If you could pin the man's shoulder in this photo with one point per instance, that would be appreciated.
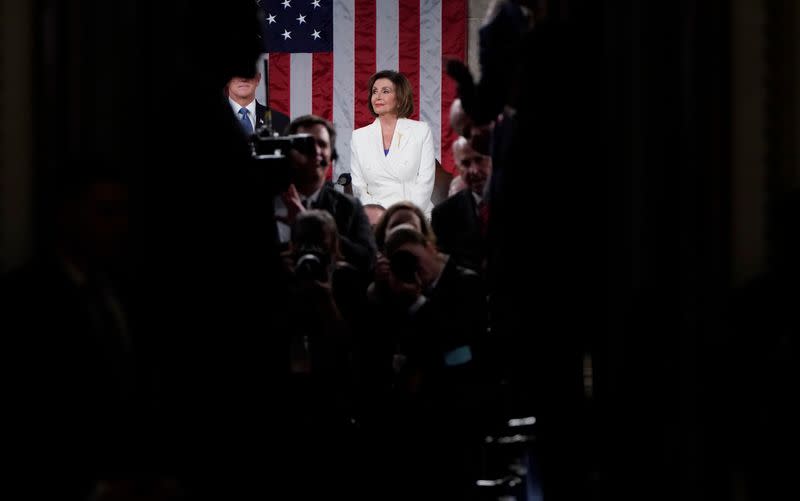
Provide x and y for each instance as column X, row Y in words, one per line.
column 328, row 192
column 459, row 277
column 280, row 120
column 454, row 203
column 467, row 274
column 416, row 125
column 363, row 131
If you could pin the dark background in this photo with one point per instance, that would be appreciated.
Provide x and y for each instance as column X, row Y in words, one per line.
column 696, row 104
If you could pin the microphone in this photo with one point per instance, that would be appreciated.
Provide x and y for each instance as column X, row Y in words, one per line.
column 344, row 179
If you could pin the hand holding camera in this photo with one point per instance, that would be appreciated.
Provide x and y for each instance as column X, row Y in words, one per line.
column 404, row 279
column 313, row 277
column 312, row 265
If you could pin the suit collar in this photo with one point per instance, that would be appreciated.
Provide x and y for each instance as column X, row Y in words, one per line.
column 468, row 199
column 377, row 136
column 252, row 107
column 377, row 145
column 402, row 134
column 470, row 207
column 326, row 197
column 466, row 194
column 400, row 138
column 260, row 110
column 441, row 283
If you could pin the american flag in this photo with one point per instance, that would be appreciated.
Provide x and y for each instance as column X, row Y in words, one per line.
column 321, row 54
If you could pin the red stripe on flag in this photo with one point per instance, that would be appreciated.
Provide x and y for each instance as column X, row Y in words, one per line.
column 409, row 47
column 454, row 45
column 322, row 85
column 364, row 45
column 322, row 91
column 279, row 75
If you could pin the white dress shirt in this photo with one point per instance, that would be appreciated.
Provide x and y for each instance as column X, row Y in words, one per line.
column 284, row 230
column 251, row 108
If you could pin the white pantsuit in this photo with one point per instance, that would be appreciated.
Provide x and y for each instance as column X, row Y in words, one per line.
column 406, row 173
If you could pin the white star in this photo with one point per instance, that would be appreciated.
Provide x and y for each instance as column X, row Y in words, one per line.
column 271, row 18
column 258, row 2
column 286, row 4
column 315, row 34
column 302, row 18
column 315, row 3
column 286, row 34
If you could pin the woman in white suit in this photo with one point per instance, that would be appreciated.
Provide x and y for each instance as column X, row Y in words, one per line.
column 392, row 159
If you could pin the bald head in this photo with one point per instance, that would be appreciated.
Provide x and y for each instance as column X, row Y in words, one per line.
column 473, row 167
column 459, row 120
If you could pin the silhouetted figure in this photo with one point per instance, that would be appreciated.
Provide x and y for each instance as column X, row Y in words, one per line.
column 544, row 298
column 757, row 423
column 327, row 299
column 77, row 361
column 436, row 316
column 211, row 287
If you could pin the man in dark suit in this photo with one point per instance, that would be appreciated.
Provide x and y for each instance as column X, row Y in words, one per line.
column 440, row 323
column 460, row 222
column 309, row 190
column 250, row 113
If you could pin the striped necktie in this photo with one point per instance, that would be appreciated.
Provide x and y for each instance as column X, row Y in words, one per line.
column 247, row 126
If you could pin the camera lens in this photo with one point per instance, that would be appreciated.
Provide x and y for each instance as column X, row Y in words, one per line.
column 310, row 266
column 404, row 266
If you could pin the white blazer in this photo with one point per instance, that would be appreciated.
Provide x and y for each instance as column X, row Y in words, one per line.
column 406, row 173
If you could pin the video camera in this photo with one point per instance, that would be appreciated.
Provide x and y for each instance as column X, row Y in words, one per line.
column 271, row 152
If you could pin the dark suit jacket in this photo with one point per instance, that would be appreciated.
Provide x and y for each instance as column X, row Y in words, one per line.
column 455, row 313
column 458, row 231
column 356, row 239
column 68, row 358
column 280, row 121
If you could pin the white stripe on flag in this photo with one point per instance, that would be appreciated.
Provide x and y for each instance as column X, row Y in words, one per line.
column 343, row 75
column 300, row 89
column 387, row 35
column 430, row 66
column 261, row 89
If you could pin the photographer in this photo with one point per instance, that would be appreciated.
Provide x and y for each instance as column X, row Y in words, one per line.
column 308, row 190
column 440, row 315
column 446, row 305
column 323, row 293
column 316, row 316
